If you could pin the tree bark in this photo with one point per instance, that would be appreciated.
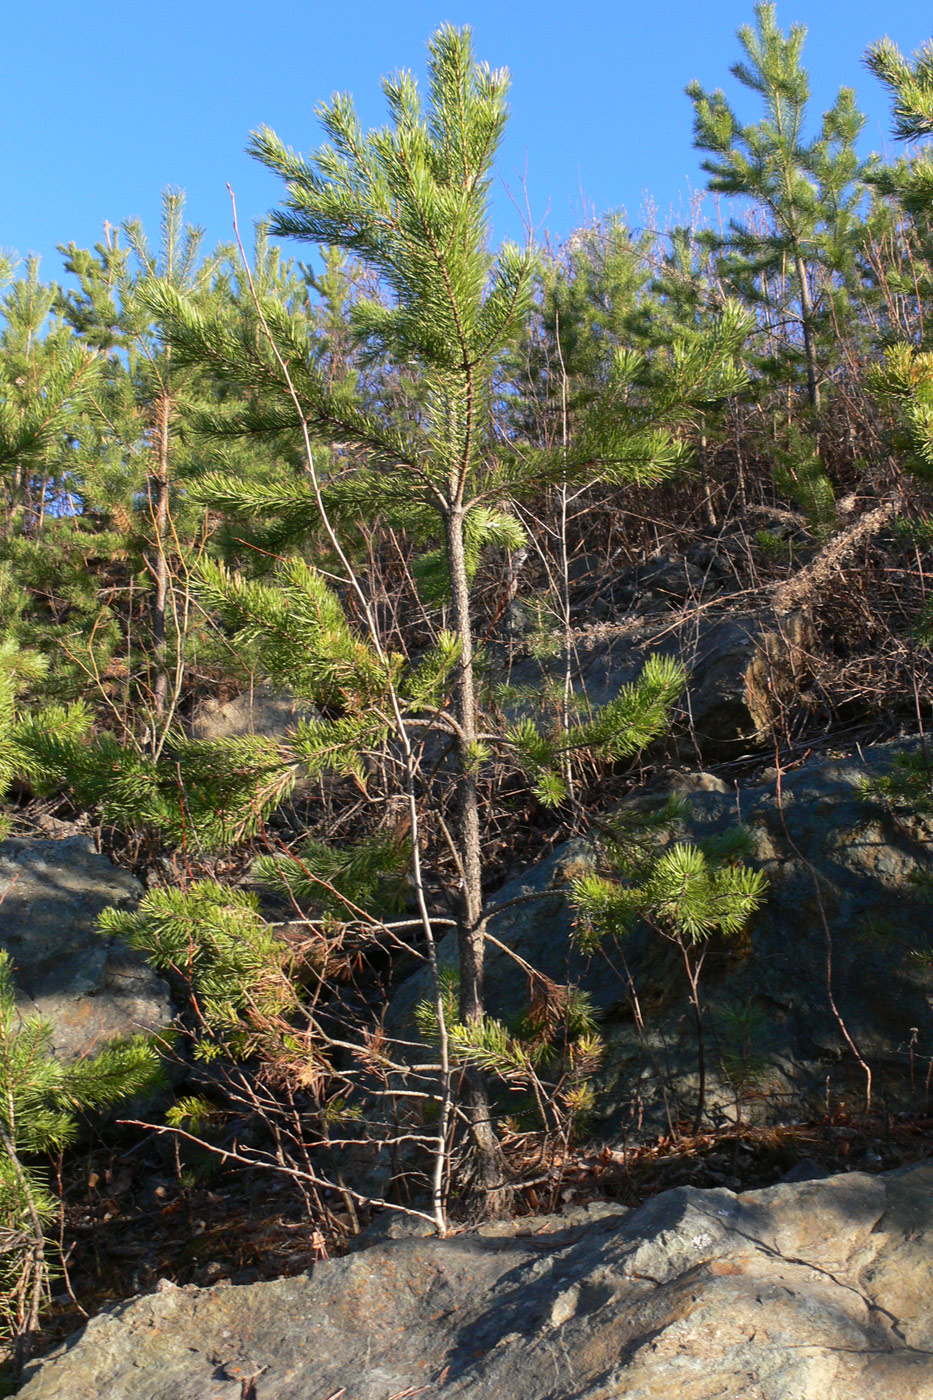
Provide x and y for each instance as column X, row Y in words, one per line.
column 472, row 941
column 159, row 500
column 490, row 1168
column 809, row 350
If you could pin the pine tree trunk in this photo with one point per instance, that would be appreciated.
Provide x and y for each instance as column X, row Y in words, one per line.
column 490, row 1169
column 160, row 565
column 471, row 985
column 809, row 350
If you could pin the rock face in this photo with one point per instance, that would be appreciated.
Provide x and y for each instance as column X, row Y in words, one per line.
column 716, row 654
column 738, row 670
column 847, row 881
column 817, row 1291
column 89, row 987
column 258, row 711
column 827, row 853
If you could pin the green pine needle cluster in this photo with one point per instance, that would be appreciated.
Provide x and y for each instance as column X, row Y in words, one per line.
column 801, row 476
column 907, row 790
column 215, row 941
column 906, row 378
column 198, row 795
column 364, row 877
column 686, row 893
column 295, row 627
column 618, row 730
column 552, row 1054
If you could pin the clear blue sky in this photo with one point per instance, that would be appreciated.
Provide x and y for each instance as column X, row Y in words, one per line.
column 104, row 104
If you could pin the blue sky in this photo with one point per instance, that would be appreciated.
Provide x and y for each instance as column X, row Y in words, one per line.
column 104, row 104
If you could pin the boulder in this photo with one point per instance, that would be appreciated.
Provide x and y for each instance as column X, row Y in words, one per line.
column 819, row 1289
column 661, row 581
column 848, row 881
column 731, row 662
column 267, row 713
column 90, row 988
column 829, row 854
column 740, row 666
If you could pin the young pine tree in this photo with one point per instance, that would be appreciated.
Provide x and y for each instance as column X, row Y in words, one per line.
column 48, row 379
column 807, row 192
column 134, row 460
column 906, row 184
column 40, row 1100
column 685, row 894
column 409, row 203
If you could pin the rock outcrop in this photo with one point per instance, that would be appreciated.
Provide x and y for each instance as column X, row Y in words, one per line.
column 815, row 1291
column 845, row 876
column 743, row 670
column 90, row 988
column 258, row 711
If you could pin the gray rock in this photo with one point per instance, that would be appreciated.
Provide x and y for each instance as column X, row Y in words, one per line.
column 826, row 852
column 718, row 658
column 671, row 578
column 720, row 655
column 805, row 1170
column 258, row 711
column 663, row 581
column 744, row 670
column 797, row 1292
column 90, row 988
column 829, row 856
